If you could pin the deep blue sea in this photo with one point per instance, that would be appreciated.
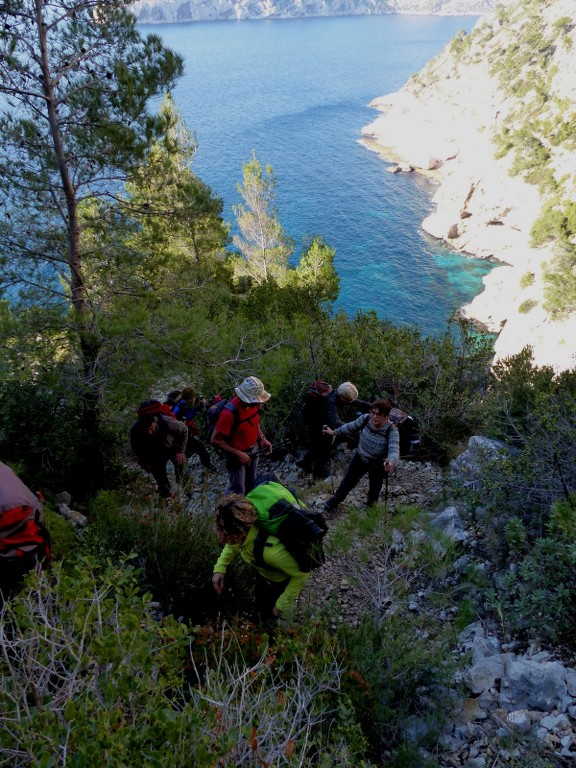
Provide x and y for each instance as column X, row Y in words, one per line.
column 297, row 92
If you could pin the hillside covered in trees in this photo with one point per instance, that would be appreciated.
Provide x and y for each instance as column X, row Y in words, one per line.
column 120, row 281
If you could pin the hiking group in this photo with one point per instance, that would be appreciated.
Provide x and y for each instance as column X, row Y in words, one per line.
column 258, row 517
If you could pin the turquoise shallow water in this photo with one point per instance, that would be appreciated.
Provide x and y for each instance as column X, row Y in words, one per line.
column 297, row 92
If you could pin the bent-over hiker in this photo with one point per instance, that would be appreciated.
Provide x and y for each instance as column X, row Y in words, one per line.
column 377, row 452
column 239, row 434
column 318, row 413
column 279, row 579
column 157, row 438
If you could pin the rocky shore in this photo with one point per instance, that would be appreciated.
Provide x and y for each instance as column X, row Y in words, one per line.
column 442, row 124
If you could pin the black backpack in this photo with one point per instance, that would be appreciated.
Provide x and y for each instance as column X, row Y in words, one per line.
column 409, row 438
column 300, row 529
column 213, row 413
column 314, row 404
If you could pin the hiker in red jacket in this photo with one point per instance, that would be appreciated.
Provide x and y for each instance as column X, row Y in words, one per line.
column 239, row 434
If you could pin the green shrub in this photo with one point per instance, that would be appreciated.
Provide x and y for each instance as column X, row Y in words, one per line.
column 516, row 536
column 175, row 549
column 538, row 599
column 527, row 306
column 88, row 678
column 65, row 539
column 527, row 280
column 89, row 675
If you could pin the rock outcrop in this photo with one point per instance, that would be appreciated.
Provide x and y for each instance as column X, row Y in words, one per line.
column 174, row 11
column 452, row 122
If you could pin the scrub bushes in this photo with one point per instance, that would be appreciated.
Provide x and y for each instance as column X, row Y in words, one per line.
column 87, row 677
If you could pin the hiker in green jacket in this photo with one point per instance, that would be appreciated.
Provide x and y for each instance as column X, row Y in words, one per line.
column 279, row 581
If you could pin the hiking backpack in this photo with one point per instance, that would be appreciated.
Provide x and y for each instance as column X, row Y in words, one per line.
column 24, row 539
column 408, row 433
column 213, row 414
column 301, row 530
column 214, row 411
column 314, row 399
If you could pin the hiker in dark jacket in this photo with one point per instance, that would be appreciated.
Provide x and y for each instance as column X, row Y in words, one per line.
column 377, row 452
column 187, row 409
column 324, row 411
column 156, row 438
column 279, row 580
column 239, row 434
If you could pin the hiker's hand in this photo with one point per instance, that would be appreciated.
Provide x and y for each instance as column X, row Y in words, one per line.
column 218, row 582
column 388, row 466
column 265, row 444
column 276, row 612
column 179, row 458
column 243, row 458
column 327, row 431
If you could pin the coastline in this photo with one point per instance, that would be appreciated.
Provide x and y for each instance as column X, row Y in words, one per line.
column 480, row 211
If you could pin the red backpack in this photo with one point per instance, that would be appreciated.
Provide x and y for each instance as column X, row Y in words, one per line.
column 24, row 539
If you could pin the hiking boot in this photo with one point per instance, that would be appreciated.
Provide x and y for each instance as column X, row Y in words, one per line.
column 331, row 505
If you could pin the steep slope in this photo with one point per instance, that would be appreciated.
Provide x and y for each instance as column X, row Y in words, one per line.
column 493, row 118
column 174, row 11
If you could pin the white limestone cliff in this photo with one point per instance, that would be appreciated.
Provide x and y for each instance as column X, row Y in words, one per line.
column 175, row 11
column 442, row 123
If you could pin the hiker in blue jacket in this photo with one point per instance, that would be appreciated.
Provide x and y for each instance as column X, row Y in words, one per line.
column 187, row 409
column 378, row 451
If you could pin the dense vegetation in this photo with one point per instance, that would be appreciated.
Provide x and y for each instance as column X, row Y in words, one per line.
column 120, row 282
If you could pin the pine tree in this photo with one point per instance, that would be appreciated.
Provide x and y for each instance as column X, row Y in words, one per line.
column 75, row 80
column 264, row 246
column 181, row 220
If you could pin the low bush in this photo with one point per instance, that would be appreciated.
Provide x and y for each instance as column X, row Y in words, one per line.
column 87, row 677
column 527, row 306
column 176, row 551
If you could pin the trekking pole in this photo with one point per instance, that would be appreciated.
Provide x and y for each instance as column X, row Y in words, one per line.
column 275, row 446
column 386, row 474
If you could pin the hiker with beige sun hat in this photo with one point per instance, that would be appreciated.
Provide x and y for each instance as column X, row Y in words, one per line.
column 239, row 434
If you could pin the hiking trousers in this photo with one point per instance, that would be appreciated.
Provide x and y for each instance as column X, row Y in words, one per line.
column 160, row 474
column 355, row 472
column 266, row 594
column 194, row 446
column 242, row 477
column 317, row 458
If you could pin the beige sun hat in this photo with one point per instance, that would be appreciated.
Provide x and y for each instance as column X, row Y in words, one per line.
column 252, row 391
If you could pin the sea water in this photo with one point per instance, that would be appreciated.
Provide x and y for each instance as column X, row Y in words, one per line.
column 296, row 91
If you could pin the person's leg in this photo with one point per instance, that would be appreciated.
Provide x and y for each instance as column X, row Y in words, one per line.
column 322, row 449
column 236, row 476
column 158, row 472
column 267, row 593
column 375, row 480
column 251, row 473
column 354, row 473
column 195, row 446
